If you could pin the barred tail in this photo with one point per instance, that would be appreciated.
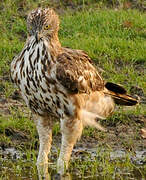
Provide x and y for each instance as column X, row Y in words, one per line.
column 119, row 95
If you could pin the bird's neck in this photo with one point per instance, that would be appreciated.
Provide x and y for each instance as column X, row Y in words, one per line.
column 54, row 45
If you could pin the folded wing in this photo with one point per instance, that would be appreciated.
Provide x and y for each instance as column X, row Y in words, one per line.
column 76, row 72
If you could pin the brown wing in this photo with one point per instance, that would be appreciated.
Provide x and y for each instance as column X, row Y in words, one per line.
column 76, row 72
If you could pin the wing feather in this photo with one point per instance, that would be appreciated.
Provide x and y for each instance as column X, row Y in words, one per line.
column 76, row 72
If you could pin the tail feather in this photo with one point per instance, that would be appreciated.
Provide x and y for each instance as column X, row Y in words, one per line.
column 120, row 95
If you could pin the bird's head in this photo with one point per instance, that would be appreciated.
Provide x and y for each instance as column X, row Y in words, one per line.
column 43, row 23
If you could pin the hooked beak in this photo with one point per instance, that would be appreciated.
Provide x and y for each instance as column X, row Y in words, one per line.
column 37, row 36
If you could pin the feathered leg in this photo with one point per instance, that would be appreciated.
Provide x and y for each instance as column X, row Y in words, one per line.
column 44, row 128
column 71, row 132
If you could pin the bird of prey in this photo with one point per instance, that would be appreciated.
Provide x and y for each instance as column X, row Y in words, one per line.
column 61, row 83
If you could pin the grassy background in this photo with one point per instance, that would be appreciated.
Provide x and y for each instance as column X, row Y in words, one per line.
column 115, row 38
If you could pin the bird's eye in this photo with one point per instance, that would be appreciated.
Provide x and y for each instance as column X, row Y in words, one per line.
column 46, row 27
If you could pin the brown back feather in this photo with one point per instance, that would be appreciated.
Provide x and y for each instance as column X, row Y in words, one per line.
column 76, row 72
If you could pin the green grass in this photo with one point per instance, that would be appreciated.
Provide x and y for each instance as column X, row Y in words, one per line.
column 114, row 38
column 106, row 39
column 102, row 166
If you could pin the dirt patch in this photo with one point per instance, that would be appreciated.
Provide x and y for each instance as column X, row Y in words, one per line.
column 7, row 103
